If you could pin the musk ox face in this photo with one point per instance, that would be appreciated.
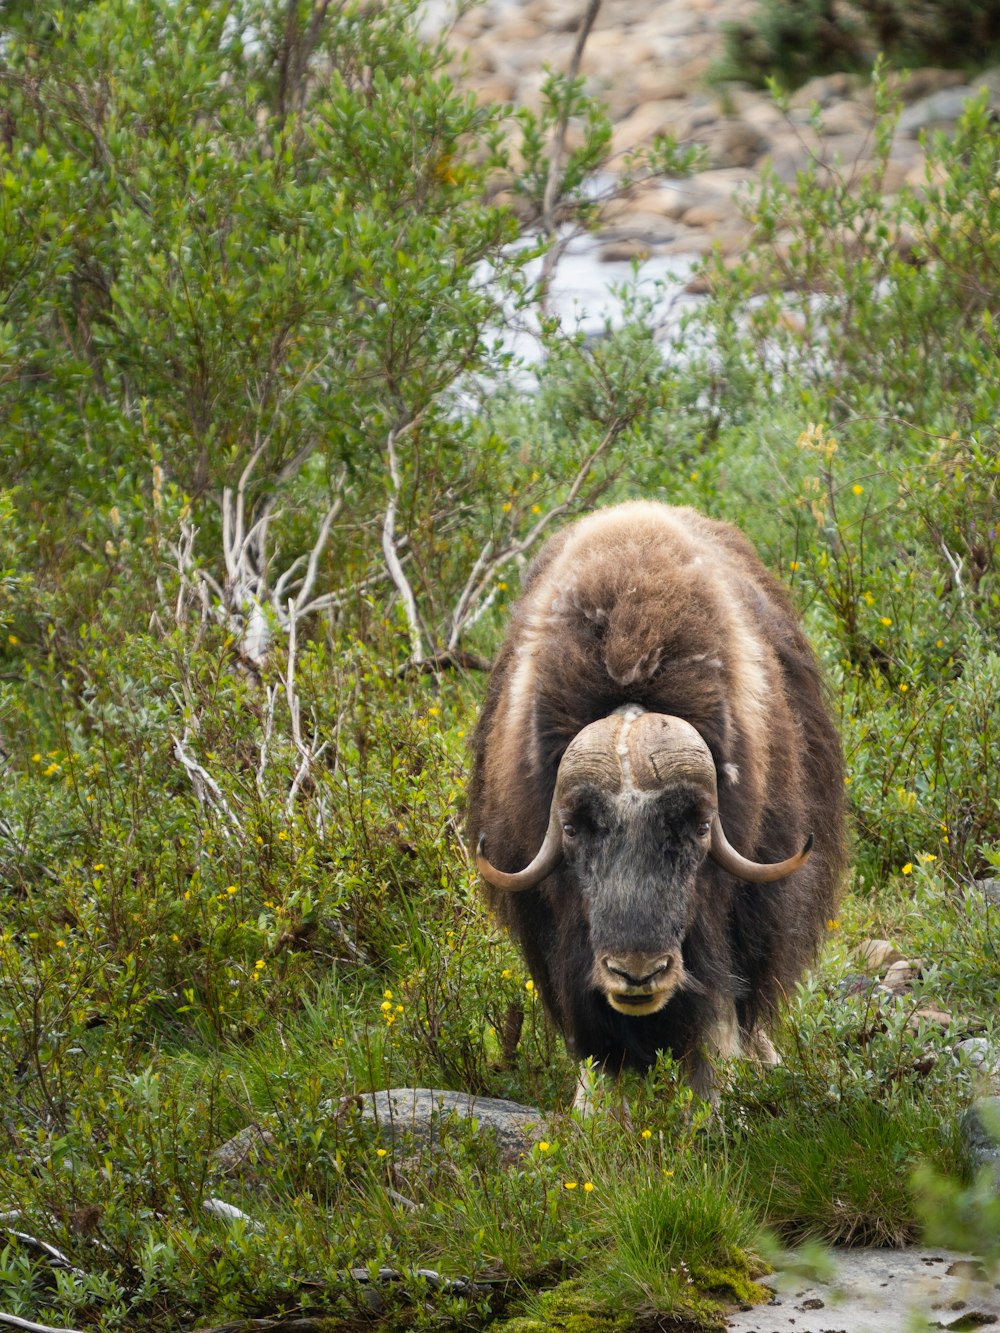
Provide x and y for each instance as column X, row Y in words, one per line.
column 634, row 857
column 632, row 818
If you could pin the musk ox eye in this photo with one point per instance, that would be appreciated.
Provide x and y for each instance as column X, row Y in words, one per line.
column 704, row 828
column 569, row 830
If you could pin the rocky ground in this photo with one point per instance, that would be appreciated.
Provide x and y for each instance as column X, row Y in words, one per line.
column 651, row 65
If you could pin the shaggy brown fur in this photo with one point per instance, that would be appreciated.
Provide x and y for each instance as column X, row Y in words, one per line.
column 661, row 607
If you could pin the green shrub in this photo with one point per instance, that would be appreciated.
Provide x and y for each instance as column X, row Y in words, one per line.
column 794, row 40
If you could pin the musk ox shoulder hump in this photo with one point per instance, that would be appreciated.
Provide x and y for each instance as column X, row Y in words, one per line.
column 637, row 589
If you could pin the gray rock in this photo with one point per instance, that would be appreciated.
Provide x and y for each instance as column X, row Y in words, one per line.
column 245, row 1153
column 847, row 118
column 983, row 1056
column 638, row 225
column 923, row 82
column 823, row 90
column 624, row 250
column 990, row 889
column 981, row 1134
column 732, row 143
column 418, row 1114
column 938, row 111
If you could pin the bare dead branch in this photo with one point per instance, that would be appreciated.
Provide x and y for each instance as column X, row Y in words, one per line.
column 480, row 585
column 206, row 789
column 389, row 545
column 306, row 755
column 955, row 564
column 12, row 1321
column 309, row 582
column 271, row 694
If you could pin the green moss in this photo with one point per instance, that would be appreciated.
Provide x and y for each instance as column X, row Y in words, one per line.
column 734, row 1281
column 566, row 1309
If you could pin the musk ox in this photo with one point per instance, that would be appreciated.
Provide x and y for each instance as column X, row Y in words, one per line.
column 657, row 792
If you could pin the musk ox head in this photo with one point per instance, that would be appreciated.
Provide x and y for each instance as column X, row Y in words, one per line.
column 633, row 816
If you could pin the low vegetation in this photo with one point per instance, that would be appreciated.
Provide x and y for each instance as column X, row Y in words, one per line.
column 269, row 482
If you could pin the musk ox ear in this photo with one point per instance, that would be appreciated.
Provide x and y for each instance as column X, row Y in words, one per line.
column 756, row 872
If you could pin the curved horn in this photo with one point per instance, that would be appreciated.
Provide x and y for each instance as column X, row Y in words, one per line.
column 590, row 754
column 548, row 857
column 756, row 872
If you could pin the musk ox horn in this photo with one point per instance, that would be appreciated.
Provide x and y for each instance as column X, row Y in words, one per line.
column 588, row 756
column 756, row 872
column 644, row 750
column 549, row 856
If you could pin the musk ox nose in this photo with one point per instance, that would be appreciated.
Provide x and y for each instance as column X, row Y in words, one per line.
column 639, row 983
column 639, row 971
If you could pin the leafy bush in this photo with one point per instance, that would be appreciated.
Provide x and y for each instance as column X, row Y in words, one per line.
column 797, row 39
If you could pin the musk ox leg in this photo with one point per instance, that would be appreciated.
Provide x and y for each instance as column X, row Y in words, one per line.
column 588, row 1088
column 758, row 1046
column 593, row 1090
column 725, row 1041
column 721, row 1043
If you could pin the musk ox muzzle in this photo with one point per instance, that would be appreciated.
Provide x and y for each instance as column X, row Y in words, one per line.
column 640, row 983
column 634, row 756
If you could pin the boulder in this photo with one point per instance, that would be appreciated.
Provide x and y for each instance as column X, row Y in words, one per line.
column 900, row 975
column 823, row 90
column 983, row 1056
column 648, row 120
column 940, row 111
column 981, row 1135
column 732, row 143
column 419, row 1115
column 877, row 955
